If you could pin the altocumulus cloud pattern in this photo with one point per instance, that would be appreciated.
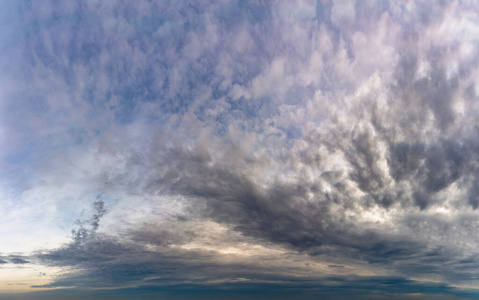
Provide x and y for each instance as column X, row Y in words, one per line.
column 239, row 149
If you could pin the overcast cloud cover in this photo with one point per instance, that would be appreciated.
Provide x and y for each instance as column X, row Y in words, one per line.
column 239, row 149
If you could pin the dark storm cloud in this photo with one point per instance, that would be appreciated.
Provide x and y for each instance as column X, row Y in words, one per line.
column 280, row 214
column 103, row 261
column 284, row 214
column 99, row 263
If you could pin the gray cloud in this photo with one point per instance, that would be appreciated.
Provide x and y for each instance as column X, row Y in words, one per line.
column 18, row 261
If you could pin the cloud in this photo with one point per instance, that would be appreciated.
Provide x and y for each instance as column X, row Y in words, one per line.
column 230, row 144
column 18, row 261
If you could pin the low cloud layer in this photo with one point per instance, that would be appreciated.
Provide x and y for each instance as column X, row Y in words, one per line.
column 304, row 147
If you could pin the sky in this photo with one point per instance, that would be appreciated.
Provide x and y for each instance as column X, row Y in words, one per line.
column 239, row 149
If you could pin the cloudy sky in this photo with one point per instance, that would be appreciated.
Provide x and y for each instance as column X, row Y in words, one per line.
column 239, row 149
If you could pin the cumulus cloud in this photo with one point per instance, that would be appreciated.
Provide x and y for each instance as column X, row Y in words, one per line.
column 314, row 145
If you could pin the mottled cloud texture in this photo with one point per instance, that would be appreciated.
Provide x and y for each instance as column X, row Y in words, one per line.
column 240, row 149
